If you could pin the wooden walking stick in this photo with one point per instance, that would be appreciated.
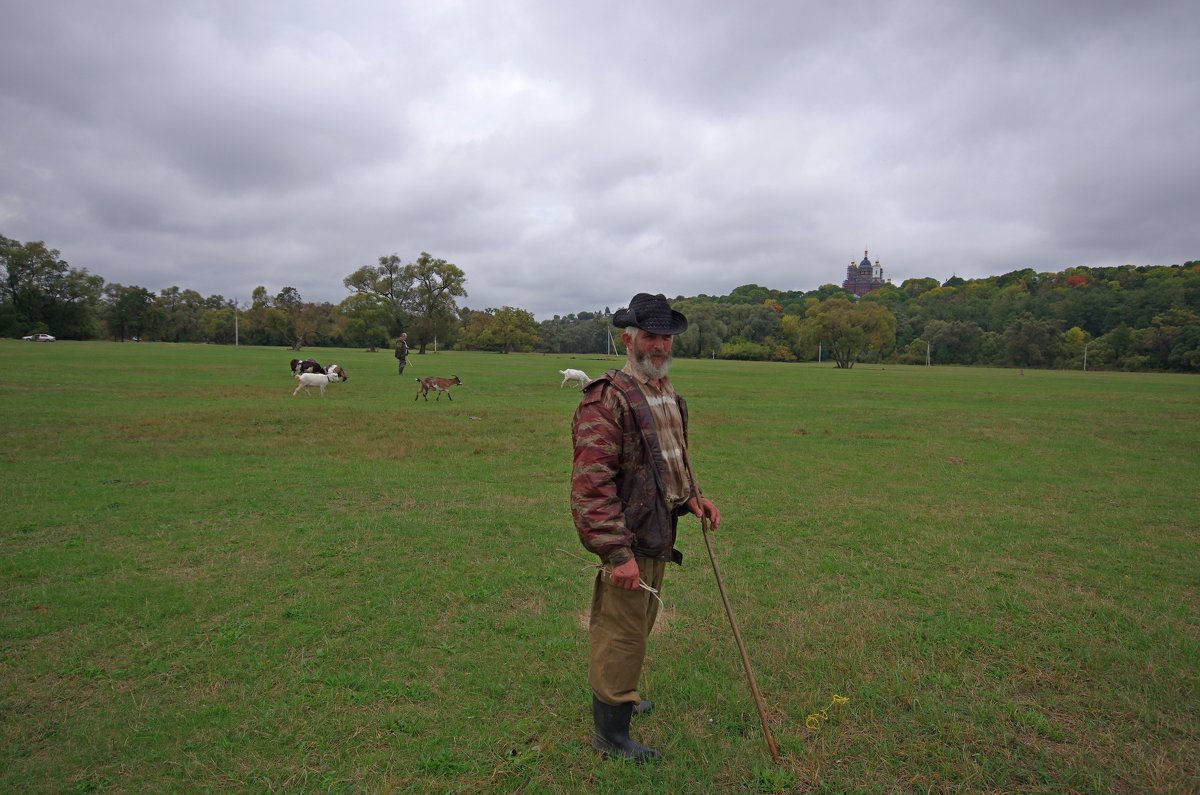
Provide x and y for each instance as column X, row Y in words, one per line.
column 737, row 636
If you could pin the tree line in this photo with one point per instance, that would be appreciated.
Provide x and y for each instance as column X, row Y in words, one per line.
column 1128, row 317
column 41, row 292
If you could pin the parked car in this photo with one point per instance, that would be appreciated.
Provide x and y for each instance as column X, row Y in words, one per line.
column 39, row 338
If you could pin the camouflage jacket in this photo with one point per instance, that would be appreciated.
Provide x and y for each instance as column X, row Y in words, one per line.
column 616, row 499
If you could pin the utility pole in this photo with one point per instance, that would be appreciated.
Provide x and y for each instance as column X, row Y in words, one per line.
column 926, row 353
column 235, row 324
column 1085, row 347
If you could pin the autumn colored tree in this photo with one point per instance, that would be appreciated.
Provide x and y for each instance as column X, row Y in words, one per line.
column 1073, row 343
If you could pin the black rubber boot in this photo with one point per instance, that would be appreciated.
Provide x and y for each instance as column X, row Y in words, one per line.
column 612, row 733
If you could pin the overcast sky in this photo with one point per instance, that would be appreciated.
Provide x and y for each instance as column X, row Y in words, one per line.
column 568, row 154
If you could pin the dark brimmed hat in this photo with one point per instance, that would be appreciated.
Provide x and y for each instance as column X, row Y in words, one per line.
column 651, row 313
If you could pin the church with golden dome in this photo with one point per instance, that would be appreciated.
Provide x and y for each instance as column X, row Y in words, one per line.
column 863, row 277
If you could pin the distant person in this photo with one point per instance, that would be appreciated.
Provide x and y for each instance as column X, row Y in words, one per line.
column 402, row 351
column 630, row 482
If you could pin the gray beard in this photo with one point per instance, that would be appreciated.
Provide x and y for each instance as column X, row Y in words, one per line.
column 654, row 372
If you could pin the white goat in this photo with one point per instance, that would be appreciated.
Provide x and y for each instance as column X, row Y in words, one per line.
column 571, row 374
column 319, row 380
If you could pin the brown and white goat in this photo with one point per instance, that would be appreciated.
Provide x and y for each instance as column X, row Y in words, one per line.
column 433, row 384
column 307, row 366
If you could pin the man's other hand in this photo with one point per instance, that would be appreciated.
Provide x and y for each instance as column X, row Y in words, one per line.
column 626, row 575
column 704, row 507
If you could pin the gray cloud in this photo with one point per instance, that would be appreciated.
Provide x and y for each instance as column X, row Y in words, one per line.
column 566, row 155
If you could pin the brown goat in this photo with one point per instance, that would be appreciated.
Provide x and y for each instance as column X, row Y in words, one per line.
column 439, row 385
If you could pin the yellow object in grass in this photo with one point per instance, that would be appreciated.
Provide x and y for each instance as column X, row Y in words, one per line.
column 814, row 721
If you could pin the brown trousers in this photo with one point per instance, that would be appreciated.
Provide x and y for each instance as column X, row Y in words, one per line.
column 620, row 624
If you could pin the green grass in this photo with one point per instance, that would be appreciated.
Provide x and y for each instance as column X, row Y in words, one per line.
column 209, row 585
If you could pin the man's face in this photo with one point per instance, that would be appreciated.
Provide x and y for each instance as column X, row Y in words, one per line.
column 651, row 352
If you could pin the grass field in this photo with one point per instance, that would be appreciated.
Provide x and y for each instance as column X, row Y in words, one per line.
column 209, row 585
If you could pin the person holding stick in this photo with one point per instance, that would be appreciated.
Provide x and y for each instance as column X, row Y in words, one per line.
column 631, row 480
column 402, row 351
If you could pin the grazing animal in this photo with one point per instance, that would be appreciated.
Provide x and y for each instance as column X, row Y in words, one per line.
column 336, row 373
column 574, row 375
column 439, row 385
column 307, row 380
column 306, row 366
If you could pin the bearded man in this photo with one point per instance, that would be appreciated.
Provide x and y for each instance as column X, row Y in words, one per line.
column 631, row 481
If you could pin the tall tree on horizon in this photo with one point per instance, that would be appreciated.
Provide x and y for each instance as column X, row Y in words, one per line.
column 435, row 285
column 388, row 286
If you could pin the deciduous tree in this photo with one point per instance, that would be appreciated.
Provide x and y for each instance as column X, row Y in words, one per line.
column 39, row 288
column 706, row 330
column 505, row 330
column 1030, row 342
column 435, row 285
column 130, row 311
column 182, row 311
column 847, row 330
column 954, row 341
column 367, row 320
column 389, row 286
column 514, row 330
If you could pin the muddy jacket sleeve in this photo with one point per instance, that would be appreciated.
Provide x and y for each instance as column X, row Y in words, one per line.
column 597, row 435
